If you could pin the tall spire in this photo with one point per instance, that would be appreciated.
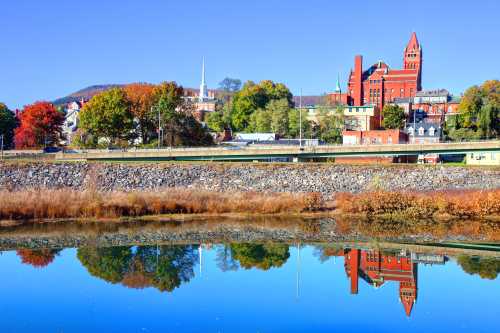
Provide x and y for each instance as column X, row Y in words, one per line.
column 203, row 86
column 337, row 86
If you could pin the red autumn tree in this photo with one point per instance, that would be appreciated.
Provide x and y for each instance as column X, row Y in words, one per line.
column 37, row 258
column 39, row 125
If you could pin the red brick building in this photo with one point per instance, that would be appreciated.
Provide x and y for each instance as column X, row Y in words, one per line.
column 376, row 137
column 380, row 84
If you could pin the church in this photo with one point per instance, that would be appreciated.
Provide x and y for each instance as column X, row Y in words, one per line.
column 379, row 84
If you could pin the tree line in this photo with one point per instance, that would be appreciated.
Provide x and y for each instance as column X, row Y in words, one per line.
column 136, row 113
column 144, row 114
column 268, row 107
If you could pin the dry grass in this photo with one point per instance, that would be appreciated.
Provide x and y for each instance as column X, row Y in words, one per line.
column 470, row 204
column 65, row 203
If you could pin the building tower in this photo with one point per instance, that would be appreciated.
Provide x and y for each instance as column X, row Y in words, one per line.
column 203, row 86
column 413, row 58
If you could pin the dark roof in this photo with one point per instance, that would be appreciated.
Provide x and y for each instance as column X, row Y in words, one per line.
column 431, row 93
column 426, row 126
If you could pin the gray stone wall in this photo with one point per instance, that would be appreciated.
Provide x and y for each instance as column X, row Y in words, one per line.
column 324, row 178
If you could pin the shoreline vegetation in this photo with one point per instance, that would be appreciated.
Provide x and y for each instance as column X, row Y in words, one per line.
column 38, row 205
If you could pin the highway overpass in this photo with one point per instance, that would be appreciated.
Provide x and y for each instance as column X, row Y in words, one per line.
column 256, row 152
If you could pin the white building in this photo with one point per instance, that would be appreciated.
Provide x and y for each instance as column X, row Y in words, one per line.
column 71, row 120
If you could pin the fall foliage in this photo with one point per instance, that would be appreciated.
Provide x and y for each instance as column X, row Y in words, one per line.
column 37, row 258
column 140, row 98
column 39, row 125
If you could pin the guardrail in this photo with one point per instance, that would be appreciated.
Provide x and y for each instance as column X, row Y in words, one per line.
column 253, row 152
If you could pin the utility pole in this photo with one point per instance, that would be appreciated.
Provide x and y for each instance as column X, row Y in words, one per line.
column 300, row 119
column 159, row 127
column 297, row 290
column 1, row 146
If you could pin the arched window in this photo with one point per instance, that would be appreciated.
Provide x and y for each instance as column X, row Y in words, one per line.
column 421, row 131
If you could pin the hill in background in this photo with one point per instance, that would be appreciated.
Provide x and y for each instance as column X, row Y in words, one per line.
column 89, row 92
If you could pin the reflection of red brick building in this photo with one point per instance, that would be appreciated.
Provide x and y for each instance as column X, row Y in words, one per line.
column 379, row 84
column 376, row 268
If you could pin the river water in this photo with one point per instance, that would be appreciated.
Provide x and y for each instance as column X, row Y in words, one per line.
column 248, row 287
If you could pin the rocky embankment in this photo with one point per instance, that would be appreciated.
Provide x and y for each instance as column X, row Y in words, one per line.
column 324, row 178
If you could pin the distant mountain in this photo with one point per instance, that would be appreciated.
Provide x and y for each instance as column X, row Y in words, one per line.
column 85, row 93
column 89, row 92
column 309, row 100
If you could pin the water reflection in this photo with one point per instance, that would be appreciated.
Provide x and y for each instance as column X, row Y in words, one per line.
column 162, row 267
column 165, row 268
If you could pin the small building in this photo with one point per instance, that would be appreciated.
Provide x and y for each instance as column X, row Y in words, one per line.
column 71, row 120
column 436, row 104
column 373, row 137
column 362, row 118
column 486, row 158
column 391, row 136
column 423, row 132
column 255, row 137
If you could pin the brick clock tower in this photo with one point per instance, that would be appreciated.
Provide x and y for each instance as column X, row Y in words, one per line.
column 413, row 58
column 379, row 84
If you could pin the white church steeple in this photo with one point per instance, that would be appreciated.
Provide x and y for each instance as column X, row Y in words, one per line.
column 203, row 86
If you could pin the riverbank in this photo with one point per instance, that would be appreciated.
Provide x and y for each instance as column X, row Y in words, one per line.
column 214, row 230
column 324, row 178
column 38, row 205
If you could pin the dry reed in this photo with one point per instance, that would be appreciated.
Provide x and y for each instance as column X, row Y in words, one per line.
column 470, row 203
column 66, row 203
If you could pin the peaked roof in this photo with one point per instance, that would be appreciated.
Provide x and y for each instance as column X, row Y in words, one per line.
column 407, row 304
column 413, row 43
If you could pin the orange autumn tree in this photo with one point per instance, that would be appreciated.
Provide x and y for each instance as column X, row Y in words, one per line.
column 37, row 258
column 140, row 97
column 39, row 125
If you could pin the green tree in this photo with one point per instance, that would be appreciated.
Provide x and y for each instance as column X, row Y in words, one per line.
column 330, row 124
column 262, row 256
column 279, row 109
column 109, row 264
column 253, row 97
column 7, row 125
column 487, row 268
column 294, row 122
column 164, row 268
column 394, row 117
column 107, row 115
column 479, row 113
column 215, row 121
column 260, row 121
column 179, row 126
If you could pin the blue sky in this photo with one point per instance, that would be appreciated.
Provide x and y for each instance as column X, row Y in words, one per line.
column 49, row 49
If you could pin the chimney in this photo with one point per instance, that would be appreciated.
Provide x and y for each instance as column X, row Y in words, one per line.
column 358, row 86
column 354, row 262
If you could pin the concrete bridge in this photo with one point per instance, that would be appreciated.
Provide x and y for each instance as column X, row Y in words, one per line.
column 257, row 152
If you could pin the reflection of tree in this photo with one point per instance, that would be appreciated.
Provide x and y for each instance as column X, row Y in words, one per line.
column 109, row 263
column 263, row 256
column 326, row 251
column 225, row 260
column 487, row 268
column 163, row 267
column 37, row 258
